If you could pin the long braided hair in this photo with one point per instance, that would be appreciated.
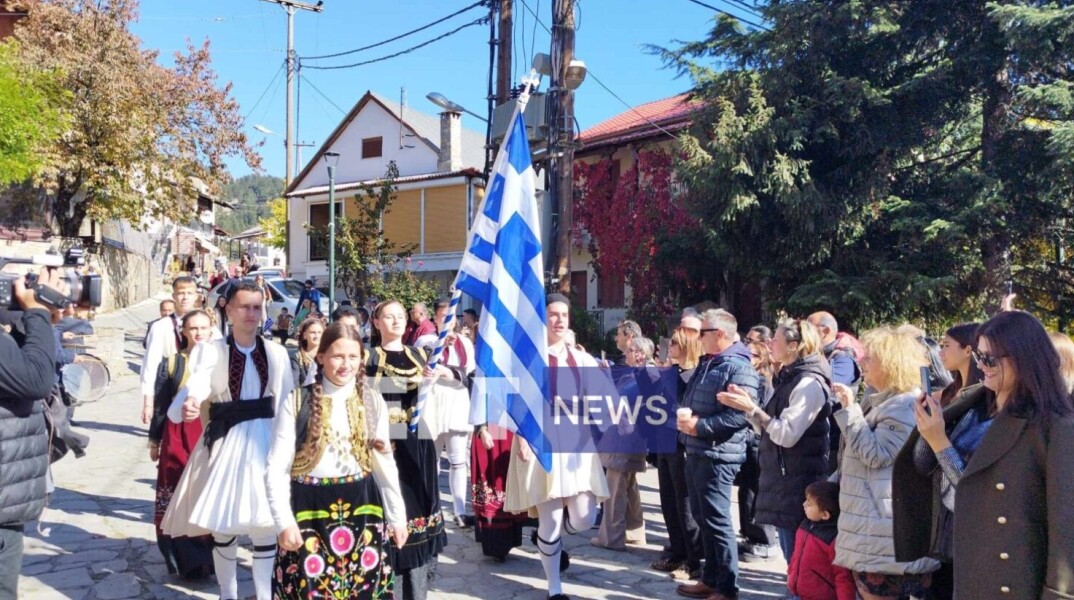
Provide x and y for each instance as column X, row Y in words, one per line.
column 310, row 454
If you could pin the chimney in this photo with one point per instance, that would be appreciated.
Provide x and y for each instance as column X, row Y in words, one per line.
column 450, row 142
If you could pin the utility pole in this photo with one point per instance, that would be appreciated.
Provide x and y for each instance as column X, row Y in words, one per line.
column 289, row 7
column 563, row 136
column 503, row 53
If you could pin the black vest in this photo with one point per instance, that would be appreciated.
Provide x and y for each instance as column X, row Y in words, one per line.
column 785, row 472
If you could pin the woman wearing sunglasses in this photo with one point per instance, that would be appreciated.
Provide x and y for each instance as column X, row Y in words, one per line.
column 999, row 458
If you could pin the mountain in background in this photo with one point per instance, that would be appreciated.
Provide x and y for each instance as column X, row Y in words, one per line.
column 250, row 194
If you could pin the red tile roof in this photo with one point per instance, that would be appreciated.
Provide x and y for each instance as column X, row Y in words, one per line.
column 670, row 113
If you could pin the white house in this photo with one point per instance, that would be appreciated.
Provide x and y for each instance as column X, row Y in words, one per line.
column 440, row 184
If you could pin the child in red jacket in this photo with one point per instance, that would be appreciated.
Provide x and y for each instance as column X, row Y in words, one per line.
column 811, row 574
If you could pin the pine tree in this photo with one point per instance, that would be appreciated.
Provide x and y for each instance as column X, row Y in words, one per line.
column 883, row 159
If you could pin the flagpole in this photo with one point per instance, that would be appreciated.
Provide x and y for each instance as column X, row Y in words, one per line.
column 533, row 79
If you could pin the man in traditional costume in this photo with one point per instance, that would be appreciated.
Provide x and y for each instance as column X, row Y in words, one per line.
column 576, row 480
column 162, row 341
column 222, row 490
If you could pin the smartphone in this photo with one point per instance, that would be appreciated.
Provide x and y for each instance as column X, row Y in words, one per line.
column 662, row 350
column 926, row 386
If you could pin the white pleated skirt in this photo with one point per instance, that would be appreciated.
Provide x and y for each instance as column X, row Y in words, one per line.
column 528, row 484
column 225, row 493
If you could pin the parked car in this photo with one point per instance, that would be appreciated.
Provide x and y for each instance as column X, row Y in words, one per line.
column 284, row 293
column 268, row 272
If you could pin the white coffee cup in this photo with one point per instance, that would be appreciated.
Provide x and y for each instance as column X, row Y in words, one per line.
column 684, row 413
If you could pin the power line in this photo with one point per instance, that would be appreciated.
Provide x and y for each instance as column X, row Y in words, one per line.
column 269, row 86
column 593, row 75
column 322, row 94
column 632, row 109
column 400, row 36
column 752, row 9
column 533, row 36
column 481, row 21
column 732, row 15
column 740, row 5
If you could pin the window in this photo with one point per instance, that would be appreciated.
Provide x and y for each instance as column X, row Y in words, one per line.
column 372, row 147
column 580, row 288
column 275, row 294
column 610, row 291
column 291, row 287
column 318, row 249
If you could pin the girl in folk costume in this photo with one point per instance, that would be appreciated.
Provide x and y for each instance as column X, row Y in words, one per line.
column 334, row 520
column 575, row 481
column 490, row 455
column 189, row 557
column 222, row 490
column 303, row 366
column 396, row 371
column 451, row 399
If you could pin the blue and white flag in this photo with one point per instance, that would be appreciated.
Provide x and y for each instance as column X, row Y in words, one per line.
column 504, row 270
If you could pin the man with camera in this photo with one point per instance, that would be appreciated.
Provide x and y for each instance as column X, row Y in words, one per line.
column 27, row 374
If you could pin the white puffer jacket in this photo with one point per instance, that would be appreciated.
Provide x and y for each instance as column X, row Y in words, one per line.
column 873, row 440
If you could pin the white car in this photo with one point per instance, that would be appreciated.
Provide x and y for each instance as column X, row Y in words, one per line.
column 284, row 292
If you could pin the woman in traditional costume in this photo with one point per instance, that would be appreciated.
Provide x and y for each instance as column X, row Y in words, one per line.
column 396, row 371
column 335, row 521
column 188, row 557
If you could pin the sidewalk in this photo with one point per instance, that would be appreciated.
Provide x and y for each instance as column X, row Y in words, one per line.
column 96, row 540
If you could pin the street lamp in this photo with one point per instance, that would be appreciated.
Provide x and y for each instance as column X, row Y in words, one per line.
column 298, row 145
column 439, row 100
column 331, row 159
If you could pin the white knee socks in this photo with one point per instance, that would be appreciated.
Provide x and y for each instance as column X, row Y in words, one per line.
column 457, row 477
column 264, row 560
column 225, row 559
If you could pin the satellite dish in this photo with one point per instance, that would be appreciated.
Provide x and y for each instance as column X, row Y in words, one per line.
column 206, row 217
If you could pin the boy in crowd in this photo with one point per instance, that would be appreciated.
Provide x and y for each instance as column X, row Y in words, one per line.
column 283, row 325
column 811, row 574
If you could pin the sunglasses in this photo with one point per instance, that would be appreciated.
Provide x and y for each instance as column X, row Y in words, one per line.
column 987, row 360
column 704, row 331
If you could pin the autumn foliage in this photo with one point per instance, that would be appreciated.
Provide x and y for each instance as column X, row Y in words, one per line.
column 139, row 130
column 628, row 214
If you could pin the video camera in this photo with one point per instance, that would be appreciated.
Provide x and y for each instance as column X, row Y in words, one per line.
column 83, row 290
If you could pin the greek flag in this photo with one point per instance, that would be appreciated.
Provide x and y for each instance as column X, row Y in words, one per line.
column 503, row 269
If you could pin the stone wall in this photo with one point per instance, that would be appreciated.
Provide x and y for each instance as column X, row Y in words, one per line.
column 128, row 278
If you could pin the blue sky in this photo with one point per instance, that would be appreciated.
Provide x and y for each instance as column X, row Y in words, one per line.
column 248, row 41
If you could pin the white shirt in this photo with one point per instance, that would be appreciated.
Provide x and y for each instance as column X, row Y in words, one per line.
column 159, row 344
column 806, row 401
column 335, row 462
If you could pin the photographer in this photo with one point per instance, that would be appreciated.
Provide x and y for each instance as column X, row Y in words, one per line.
column 27, row 374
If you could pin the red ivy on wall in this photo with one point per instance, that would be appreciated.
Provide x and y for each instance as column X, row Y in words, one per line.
column 626, row 213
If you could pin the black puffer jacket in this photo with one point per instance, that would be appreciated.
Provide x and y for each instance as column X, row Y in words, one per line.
column 786, row 472
column 27, row 374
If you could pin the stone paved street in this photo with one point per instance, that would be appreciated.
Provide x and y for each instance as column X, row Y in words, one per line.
column 96, row 539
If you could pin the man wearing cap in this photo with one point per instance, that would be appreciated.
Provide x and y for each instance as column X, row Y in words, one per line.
column 575, row 482
column 313, row 294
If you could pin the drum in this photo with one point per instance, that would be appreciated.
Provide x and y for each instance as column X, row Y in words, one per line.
column 86, row 380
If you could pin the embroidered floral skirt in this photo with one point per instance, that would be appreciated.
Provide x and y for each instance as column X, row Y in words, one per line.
column 496, row 530
column 346, row 551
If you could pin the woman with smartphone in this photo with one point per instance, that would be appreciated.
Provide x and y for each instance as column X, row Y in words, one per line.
column 1002, row 458
column 873, row 433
